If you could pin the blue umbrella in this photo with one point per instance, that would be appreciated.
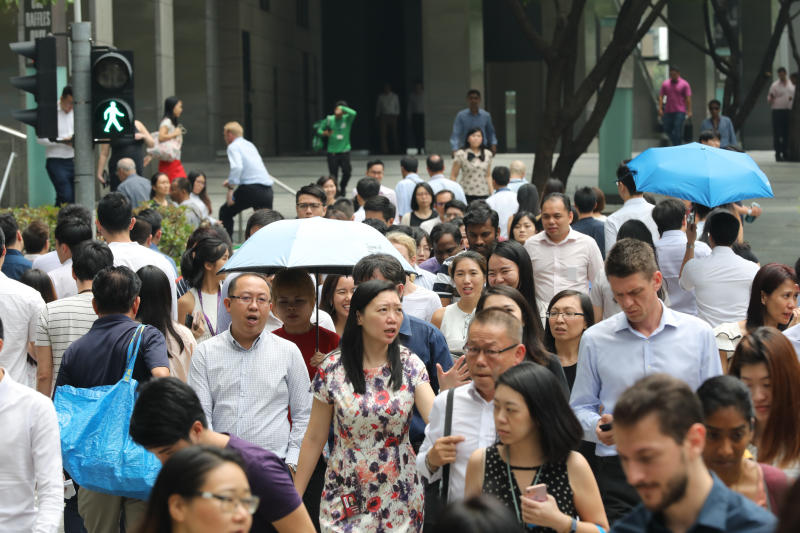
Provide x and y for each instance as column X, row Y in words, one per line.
column 702, row 174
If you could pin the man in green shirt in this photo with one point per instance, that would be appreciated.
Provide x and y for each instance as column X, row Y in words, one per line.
column 337, row 129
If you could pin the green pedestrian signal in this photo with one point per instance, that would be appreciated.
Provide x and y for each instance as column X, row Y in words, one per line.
column 110, row 116
column 112, row 94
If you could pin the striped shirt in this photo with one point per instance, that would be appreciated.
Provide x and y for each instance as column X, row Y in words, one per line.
column 63, row 321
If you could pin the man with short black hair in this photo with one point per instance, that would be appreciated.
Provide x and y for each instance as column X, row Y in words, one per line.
column 70, row 232
column 336, row 128
column 473, row 117
column 722, row 280
column 780, row 98
column 168, row 417
column 438, row 181
column 310, row 201
column 59, row 153
column 645, row 338
column 375, row 168
column 454, row 209
column 483, row 228
column 180, row 191
column 154, row 218
column 99, row 358
column 678, row 107
column 634, row 207
column 585, row 203
column 50, row 260
column 660, row 437
column 135, row 187
column 405, row 188
column 503, row 200
column 719, row 124
column 379, row 207
column 36, row 239
column 15, row 263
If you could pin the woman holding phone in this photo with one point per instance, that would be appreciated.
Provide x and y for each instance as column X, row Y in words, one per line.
column 534, row 469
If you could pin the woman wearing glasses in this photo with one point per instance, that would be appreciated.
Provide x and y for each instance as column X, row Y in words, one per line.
column 568, row 316
column 201, row 489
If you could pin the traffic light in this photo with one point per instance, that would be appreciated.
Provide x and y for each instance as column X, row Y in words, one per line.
column 112, row 93
column 42, row 84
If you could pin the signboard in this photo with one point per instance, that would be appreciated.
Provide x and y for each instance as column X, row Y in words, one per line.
column 38, row 20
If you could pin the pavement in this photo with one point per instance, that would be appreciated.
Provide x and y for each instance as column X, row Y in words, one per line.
column 773, row 236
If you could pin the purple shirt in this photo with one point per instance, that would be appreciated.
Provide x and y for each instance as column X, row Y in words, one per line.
column 269, row 480
column 430, row 264
column 676, row 94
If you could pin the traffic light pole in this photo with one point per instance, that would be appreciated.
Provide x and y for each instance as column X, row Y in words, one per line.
column 81, row 91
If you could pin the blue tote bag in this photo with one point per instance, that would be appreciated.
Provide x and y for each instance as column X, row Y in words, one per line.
column 96, row 447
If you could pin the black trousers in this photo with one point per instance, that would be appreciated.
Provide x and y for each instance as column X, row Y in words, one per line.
column 618, row 496
column 245, row 196
column 418, row 128
column 780, row 132
column 337, row 161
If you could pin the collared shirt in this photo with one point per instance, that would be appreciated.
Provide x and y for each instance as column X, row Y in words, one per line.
column 427, row 343
column 30, row 452
column 63, row 282
column 721, row 283
column 727, row 135
column 793, row 334
column 569, row 264
column 465, row 121
column 247, row 167
column 249, row 392
column 676, row 94
column 136, row 188
column 384, row 191
column 724, row 511
column 193, row 213
column 670, row 249
column 135, row 256
column 504, row 201
column 388, row 104
column 403, row 192
column 15, row 264
column 613, row 356
column 425, row 278
column 473, row 418
column 20, row 306
column 635, row 208
column 47, row 262
column 516, row 183
column 66, row 130
column 781, row 94
column 439, row 182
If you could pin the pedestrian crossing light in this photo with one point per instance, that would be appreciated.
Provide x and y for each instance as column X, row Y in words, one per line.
column 112, row 93
column 41, row 84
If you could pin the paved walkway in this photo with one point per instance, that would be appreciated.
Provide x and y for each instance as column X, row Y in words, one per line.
column 773, row 237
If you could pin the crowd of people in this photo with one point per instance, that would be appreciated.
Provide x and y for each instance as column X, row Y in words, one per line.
column 542, row 366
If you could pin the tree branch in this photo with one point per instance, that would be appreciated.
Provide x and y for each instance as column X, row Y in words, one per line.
column 793, row 43
column 540, row 44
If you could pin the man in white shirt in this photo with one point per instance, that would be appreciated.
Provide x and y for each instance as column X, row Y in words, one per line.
column 562, row 258
column 721, row 281
column 30, row 455
column 780, row 96
column 518, row 171
column 249, row 184
column 670, row 217
column 635, row 206
column 504, row 200
column 494, row 344
column 180, row 191
column 248, row 380
column 70, row 232
column 375, row 169
column 438, row 181
column 114, row 223
column 387, row 109
column 404, row 189
column 60, row 154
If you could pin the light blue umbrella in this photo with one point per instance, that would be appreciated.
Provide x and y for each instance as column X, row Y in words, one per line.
column 320, row 245
column 702, row 174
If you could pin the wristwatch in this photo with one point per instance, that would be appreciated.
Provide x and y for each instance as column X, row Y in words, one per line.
column 573, row 527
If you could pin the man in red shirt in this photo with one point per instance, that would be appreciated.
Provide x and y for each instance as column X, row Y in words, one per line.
column 678, row 107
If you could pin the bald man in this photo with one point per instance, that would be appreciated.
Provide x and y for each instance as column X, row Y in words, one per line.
column 135, row 187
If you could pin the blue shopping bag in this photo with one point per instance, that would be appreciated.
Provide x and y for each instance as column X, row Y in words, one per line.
column 97, row 450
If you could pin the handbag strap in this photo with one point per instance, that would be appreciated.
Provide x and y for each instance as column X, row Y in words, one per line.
column 133, row 352
column 448, row 426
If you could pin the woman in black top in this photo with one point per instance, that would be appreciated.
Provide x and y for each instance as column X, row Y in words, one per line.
column 421, row 206
column 568, row 316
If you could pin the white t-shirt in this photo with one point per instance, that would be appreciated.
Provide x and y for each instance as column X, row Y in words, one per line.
column 421, row 303
column 135, row 256
column 62, row 280
column 47, row 262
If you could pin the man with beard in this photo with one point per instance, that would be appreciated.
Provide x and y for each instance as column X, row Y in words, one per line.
column 646, row 338
column 660, row 437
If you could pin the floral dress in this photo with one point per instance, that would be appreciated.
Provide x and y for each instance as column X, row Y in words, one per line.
column 371, row 483
column 473, row 172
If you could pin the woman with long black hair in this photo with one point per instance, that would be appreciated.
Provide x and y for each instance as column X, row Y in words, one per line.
column 199, row 265
column 170, row 129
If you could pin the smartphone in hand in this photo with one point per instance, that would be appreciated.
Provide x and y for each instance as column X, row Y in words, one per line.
column 188, row 320
column 537, row 492
column 606, row 427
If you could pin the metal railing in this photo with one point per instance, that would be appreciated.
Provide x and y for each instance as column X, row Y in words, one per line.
column 14, row 133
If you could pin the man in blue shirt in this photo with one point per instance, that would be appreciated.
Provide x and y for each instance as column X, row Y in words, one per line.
column 473, row 117
column 660, row 437
column 15, row 264
column 405, row 189
column 423, row 339
column 719, row 124
column 645, row 338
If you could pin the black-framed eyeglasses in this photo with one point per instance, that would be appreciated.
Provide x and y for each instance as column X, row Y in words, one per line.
column 247, row 299
column 228, row 504
column 566, row 314
column 474, row 351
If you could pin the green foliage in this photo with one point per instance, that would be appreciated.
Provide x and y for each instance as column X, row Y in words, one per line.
column 25, row 215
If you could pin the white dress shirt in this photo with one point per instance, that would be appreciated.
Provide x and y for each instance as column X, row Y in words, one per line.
column 135, row 256
column 635, row 208
column 439, row 182
column 247, row 167
column 721, row 283
column 403, row 192
column 66, row 129
column 793, row 334
column 613, row 356
column 473, row 419
column 20, row 307
column 249, row 392
column 63, row 283
column 504, row 201
column 425, row 279
column 47, row 262
column 30, row 455
column 570, row 264
column 670, row 250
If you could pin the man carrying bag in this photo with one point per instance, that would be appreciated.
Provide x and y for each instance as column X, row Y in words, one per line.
column 110, row 359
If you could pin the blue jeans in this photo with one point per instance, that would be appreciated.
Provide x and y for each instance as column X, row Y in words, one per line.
column 62, row 174
column 673, row 127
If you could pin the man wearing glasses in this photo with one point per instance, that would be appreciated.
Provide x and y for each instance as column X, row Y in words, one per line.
column 248, row 379
column 719, row 124
column 310, row 201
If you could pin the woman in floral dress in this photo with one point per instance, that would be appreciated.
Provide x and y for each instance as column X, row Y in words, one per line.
column 368, row 389
column 474, row 163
